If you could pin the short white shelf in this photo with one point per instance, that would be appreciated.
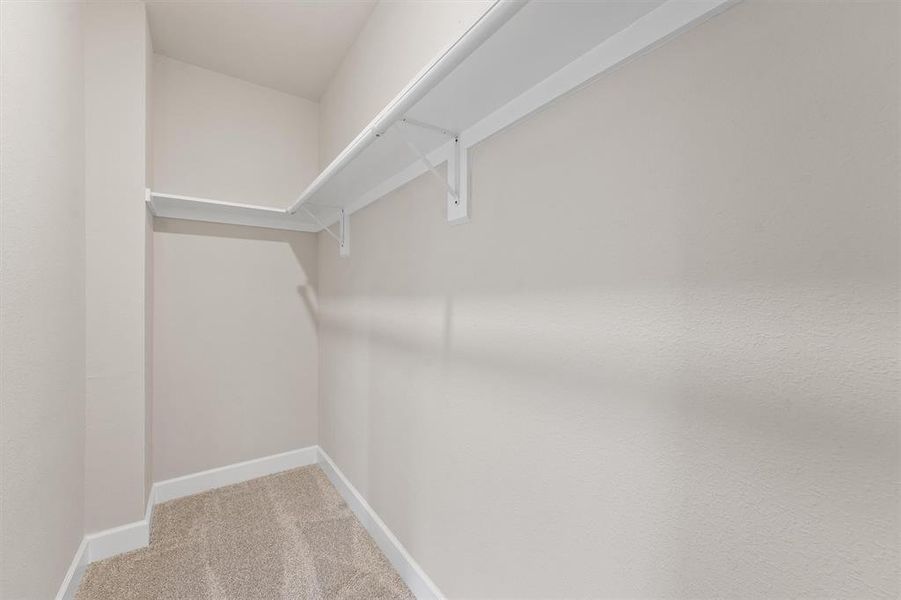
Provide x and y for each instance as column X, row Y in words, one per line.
column 173, row 206
column 518, row 57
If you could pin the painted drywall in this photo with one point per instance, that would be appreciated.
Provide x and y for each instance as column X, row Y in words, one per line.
column 662, row 359
column 397, row 42
column 115, row 52
column 219, row 137
column 148, row 266
column 235, row 344
column 234, row 325
column 42, row 322
column 294, row 47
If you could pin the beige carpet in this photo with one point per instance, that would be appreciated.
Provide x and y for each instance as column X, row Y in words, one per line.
column 288, row 535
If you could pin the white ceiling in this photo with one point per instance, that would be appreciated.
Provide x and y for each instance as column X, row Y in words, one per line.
column 290, row 45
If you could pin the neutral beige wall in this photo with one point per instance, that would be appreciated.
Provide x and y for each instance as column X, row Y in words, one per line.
column 235, row 344
column 115, row 231
column 219, row 137
column 42, row 323
column 661, row 361
column 148, row 265
column 234, row 330
column 398, row 40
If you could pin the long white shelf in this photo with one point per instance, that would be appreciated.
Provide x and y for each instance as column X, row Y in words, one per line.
column 516, row 58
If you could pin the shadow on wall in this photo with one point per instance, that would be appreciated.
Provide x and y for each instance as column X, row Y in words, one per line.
column 662, row 358
column 235, row 344
column 306, row 289
column 754, row 417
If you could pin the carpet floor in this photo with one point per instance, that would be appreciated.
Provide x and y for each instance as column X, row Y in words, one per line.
column 288, row 535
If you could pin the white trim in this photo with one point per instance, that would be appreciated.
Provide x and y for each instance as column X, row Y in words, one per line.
column 118, row 540
column 131, row 536
column 151, row 502
column 73, row 576
column 196, row 483
column 104, row 544
column 125, row 538
column 409, row 570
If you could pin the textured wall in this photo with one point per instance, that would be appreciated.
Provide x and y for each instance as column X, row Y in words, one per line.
column 148, row 265
column 115, row 231
column 42, row 323
column 398, row 40
column 662, row 359
column 235, row 343
column 235, row 346
column 219, row 137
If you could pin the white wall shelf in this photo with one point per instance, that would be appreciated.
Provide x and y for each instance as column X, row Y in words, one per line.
column 173, row 206
column 518, row 57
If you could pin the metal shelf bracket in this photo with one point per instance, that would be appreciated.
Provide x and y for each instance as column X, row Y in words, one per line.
column 457, row 169
column 344, row 225
column 343, row 235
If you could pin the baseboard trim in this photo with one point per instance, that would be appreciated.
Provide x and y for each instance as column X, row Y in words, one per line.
column 73, row 576
column 409, row 570
column 195, row 483
column 132, row 536
column 117, row 540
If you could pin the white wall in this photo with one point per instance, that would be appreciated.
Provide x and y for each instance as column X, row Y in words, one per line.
column 42, row 323
column 398, row 40
column 115, row 177
column 219, row 137
column 234, row 329
column 148, row 264
column 662, row 359
column 235, row 346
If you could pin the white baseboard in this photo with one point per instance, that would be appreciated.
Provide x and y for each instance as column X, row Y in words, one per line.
column 204, row 481
column 117, row 540
column 409, row 570
column 104, row 544
column 132, row 536
column 73, row 576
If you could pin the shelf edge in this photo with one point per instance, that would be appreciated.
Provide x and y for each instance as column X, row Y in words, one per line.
column 499, row 13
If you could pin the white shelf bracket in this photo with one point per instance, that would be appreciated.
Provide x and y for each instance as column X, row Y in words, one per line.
column 436, row 128
column 458, row 179
column 344, row 226
column 457, row 171
column 343, row 235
